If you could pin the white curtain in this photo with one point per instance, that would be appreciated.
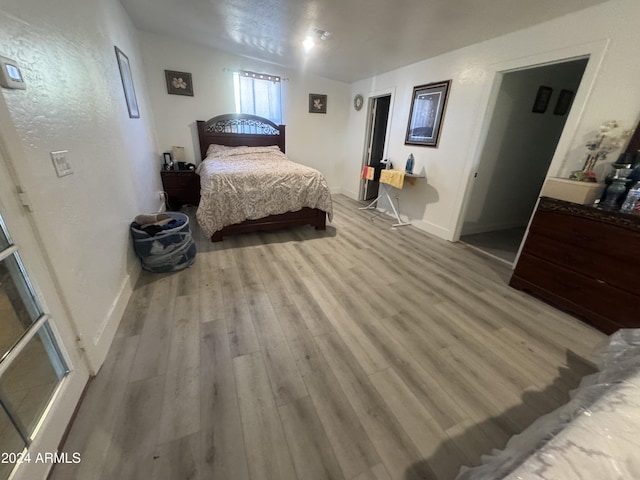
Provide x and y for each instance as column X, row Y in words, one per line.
column 258, row 94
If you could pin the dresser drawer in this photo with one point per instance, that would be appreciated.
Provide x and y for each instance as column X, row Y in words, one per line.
column 601, row 238
column 577, row 293
column 614, row 269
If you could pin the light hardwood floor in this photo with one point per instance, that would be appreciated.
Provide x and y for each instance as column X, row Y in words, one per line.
column 362, row 352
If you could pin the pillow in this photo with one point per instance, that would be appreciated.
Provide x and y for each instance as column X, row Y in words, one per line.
column 244, row 151
column 216, row 149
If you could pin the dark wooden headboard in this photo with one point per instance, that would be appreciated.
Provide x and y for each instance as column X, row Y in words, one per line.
column 239, row 129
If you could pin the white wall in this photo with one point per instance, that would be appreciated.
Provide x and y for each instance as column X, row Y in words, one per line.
column 312, row 139
column 609, row 33
column 519, row 148
column 74, row 101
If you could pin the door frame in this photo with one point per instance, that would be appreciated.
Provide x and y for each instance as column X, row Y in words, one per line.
column 596, row 53
column 371, row 96
column 23, row 229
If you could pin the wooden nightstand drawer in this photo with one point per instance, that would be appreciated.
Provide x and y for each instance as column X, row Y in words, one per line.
column 182, row 188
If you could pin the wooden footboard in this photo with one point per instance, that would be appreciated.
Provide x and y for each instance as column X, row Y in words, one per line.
column 307, row 216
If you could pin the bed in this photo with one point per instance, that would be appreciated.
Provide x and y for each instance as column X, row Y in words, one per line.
column 253, row 186
column 594, row 436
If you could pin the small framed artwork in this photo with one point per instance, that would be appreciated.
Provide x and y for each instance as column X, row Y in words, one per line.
column 428, row 105
column 317, row 103
column 127, row 84
column 564, row 102
column 542, row 99
column 168, row 161
column 179, row 83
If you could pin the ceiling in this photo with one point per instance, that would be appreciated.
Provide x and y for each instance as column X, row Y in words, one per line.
column 368, row 37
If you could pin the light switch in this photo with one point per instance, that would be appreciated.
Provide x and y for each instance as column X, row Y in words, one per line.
column 61, row 163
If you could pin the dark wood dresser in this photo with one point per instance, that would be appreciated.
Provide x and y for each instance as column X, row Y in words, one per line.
column 584, row 261
column 182, row 188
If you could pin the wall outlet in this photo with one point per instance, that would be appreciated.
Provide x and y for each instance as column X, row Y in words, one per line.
column 162, row 196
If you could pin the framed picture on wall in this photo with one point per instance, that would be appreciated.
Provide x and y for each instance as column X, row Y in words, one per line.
column 179, row 83
column 564, row 102
column 428, row 105
column 541, row 102
column 317, row 103
column 127, row 84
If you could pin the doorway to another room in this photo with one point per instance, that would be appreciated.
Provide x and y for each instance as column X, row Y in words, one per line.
column 379, row 108
column 530, row 112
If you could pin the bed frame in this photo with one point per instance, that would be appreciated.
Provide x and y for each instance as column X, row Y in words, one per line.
column 237, row 129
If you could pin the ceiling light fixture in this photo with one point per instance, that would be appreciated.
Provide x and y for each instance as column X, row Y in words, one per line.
column 308, row 43
column 322, row 34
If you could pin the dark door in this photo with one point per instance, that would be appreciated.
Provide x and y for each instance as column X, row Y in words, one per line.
column 379, row 117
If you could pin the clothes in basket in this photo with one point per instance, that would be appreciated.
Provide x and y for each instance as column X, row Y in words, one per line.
column 163, row 242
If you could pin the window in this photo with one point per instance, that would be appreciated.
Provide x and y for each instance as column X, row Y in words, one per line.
column 258, row 94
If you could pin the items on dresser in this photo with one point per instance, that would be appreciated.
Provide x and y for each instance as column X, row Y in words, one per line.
column 584, row 193
column 583, row 260
column 632, row 201
column 614, row 194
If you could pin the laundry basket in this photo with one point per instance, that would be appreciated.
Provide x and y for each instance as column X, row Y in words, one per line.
column 168, row 250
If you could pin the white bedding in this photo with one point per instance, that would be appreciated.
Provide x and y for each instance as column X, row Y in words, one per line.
column 595, row 436
column 248, row 183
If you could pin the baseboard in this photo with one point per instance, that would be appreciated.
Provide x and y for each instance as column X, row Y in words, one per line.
column 346, row 193
column 107, row 331
column 473, row 229
column 432, row 229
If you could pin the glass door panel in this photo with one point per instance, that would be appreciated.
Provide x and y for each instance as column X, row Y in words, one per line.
column 10, row 441
column 4, row 241
column 31, row 364
column 18, row 307
column 30, row 381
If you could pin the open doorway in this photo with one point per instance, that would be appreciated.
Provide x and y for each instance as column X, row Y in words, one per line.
column 517, row 153
column 379, row 118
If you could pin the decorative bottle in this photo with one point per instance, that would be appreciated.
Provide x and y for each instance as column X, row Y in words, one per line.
column 613, row 194
column 409, row 167
column 632, row 202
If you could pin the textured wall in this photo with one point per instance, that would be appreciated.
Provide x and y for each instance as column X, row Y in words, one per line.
column 74, row 101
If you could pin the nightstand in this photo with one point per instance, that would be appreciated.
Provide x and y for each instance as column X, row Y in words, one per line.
column 182, row 188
